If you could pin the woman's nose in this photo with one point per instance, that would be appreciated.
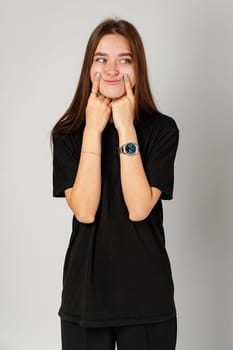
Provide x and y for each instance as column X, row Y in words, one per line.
column 112, row 68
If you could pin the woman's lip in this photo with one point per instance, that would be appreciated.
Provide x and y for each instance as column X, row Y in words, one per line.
column 112, row 81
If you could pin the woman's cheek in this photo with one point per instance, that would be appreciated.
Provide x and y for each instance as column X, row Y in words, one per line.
column 132, row 79
column 93, row 71
column 131, row 75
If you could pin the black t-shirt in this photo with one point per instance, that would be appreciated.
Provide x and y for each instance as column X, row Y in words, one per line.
column 116, row 271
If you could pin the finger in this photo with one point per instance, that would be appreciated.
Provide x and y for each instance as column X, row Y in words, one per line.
column 95, row 85
column 94, row 93
column 101, row 97
column 107, row 100
column 128, row 85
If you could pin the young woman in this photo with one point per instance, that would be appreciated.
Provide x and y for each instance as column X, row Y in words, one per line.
column 113, row 161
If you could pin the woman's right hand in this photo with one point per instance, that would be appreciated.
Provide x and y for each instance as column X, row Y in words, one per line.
column 98, row 110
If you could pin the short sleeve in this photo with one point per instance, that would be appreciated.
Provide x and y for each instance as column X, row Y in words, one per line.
column 161, row 158
column 66, row 153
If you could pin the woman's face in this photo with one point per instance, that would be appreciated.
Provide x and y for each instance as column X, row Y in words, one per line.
column 112, row 58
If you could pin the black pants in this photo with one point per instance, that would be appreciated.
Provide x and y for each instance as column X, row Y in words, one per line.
column 150, row 336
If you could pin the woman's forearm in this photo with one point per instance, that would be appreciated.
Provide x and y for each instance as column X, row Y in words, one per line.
column 136, row 189
column 85, row 194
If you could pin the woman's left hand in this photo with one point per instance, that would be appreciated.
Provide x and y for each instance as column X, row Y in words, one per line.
column 123, row 109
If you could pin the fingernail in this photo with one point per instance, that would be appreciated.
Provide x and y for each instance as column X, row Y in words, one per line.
column 97, row 74
column 125, row 75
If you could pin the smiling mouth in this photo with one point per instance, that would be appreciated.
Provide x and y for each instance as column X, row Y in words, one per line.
column 112, row 82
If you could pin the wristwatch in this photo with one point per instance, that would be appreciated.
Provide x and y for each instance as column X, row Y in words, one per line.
column 129, row 148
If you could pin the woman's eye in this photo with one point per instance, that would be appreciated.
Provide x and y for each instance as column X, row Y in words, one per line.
column 104, row 60
column 101, row 60
column 125, row 60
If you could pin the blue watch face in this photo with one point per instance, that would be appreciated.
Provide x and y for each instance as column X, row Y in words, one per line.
column 130, row 148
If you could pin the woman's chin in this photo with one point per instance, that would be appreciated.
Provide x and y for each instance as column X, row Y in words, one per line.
column 113, row 94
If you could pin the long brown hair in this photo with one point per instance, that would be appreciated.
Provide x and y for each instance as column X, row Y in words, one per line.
column 144, row 103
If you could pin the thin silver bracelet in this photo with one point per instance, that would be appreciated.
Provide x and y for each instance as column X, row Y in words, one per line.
column 91, row 152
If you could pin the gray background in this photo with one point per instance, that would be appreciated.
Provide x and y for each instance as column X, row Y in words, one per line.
column 189, row 51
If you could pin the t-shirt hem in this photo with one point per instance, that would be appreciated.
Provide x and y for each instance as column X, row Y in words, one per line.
column 116, row 322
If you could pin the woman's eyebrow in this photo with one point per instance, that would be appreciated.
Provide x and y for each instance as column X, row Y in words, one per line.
column 100, row 54
column 126, row 54
column 120, row 54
